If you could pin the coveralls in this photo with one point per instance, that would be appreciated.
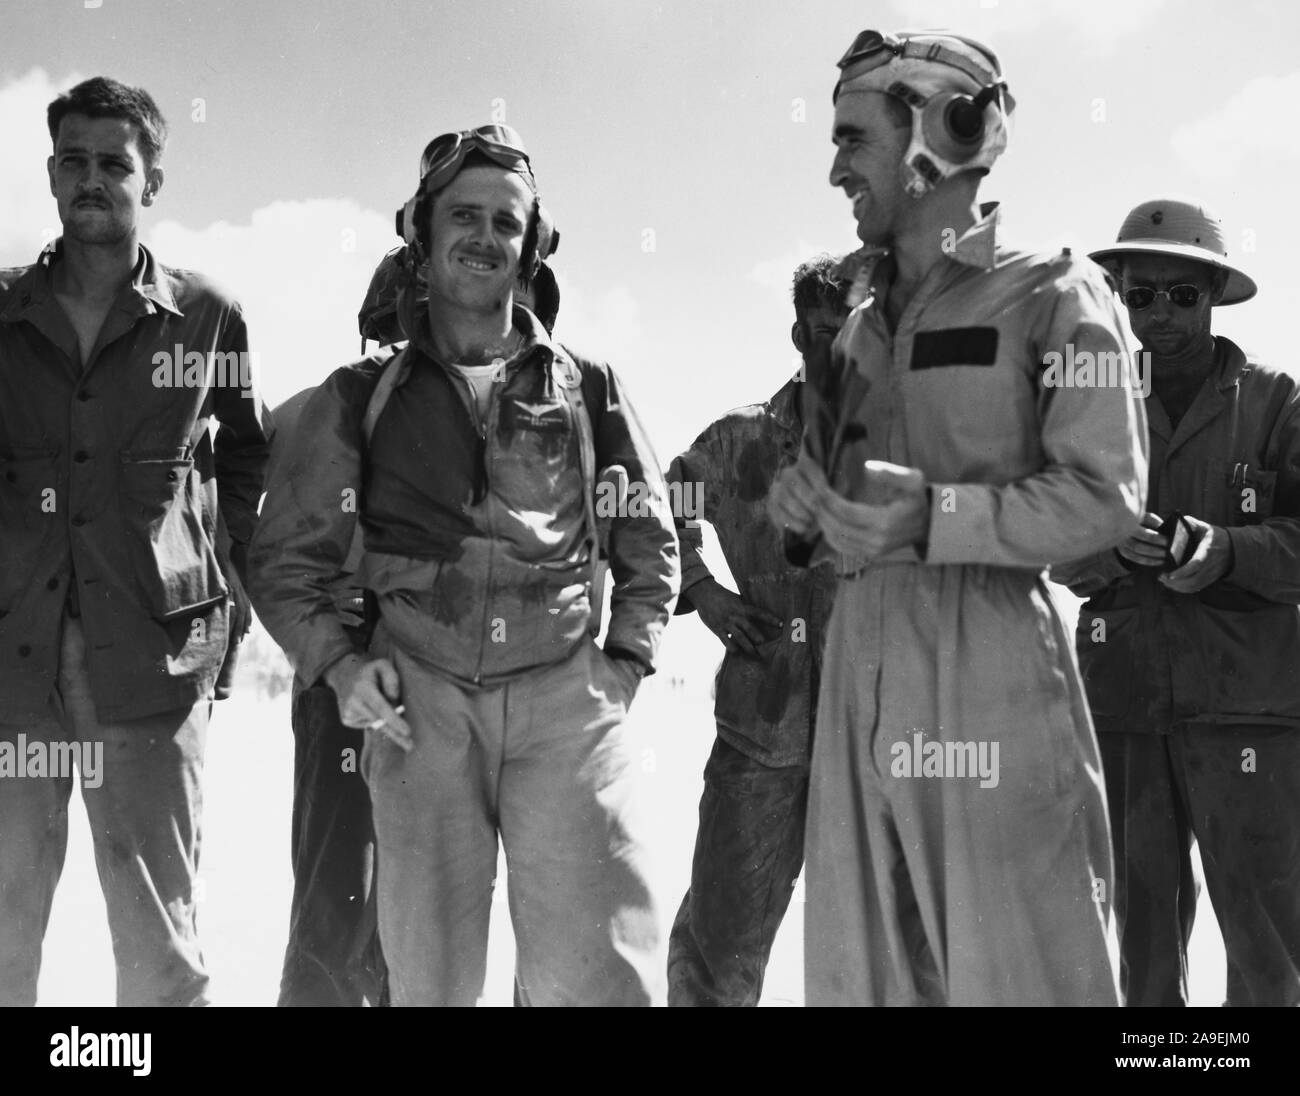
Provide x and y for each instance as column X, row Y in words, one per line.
column 1196, row 697
column 749, row 847
column 938, row 870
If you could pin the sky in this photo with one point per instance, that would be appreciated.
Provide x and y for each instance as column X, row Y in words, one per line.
column 683, row 148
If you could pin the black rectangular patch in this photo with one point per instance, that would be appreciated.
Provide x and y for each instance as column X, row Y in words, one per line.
column 955, row 346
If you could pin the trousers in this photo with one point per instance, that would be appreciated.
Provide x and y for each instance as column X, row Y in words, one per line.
column 1236, row 791
column 141, row 783
column 541, row 763
column 333, row 957
column 748, row 854
column 958, row 850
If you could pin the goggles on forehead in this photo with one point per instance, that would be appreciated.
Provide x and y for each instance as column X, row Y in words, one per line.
column 442, row 159
column 444, row 154
column 873, row 48
column 872, row 43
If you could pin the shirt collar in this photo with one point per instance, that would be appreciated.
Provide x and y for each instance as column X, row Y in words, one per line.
column 977, row 246
column 536, row 337
column 150, row 282
column 784, row 405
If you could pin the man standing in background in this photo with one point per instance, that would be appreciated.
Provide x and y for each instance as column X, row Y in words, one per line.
column 749, row 847
column 1190, row 639
column 123, row 534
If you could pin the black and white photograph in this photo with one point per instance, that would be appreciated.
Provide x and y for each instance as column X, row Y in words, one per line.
column 650, row 503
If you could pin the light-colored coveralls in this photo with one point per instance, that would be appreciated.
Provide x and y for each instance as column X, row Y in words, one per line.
column 929, row 889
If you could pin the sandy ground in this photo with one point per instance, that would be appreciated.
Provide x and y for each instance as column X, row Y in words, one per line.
column 245, row 859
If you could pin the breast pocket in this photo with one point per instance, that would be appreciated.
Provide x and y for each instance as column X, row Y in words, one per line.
column 175, row 563
column 535, row 462
column 28, row 512
column 1237, row 493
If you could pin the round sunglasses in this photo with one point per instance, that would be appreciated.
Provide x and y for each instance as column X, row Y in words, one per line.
column 1139, row 297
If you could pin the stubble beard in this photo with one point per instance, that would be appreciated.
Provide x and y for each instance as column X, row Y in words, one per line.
column 98, row 227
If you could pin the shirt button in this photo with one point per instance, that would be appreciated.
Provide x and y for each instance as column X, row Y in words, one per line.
column 24, row 651
column 78, row 521
column 81, row 456
column 83, row 396
column 53, row 584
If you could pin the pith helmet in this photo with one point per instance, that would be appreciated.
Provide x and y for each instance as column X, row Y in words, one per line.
column 1185, row 227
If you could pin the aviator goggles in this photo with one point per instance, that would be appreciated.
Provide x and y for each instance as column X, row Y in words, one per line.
column 500, row 144
column 1141, row 297
column 873, row 48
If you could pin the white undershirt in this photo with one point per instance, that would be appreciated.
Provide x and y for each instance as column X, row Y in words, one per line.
column 479, row 378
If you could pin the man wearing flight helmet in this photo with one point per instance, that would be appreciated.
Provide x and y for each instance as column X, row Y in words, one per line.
column 333, row 955
column 957, row 848
column 470, row 460
column 1190, row 639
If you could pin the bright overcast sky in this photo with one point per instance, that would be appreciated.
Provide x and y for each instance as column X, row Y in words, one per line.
column 700, row 129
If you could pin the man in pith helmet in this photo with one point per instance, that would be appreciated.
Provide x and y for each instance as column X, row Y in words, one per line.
column 1190, row 638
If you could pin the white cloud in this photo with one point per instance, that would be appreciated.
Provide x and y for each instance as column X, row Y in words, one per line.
column 1248, row 124
column 30, row 218
column 300, row 270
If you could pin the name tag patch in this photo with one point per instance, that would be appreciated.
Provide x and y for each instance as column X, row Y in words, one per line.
column 955, row 346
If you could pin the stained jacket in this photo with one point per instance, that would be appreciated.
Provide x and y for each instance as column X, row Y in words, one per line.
column 1231, row 652
column 765, row 706
column 110, row 473
column 474, row 533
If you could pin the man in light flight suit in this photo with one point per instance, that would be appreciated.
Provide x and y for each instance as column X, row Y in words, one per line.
column 957, row 846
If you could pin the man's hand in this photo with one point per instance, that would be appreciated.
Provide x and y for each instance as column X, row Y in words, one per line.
column 1146, row 547
column 364, row 689
column 740, row 626
column 1210, row 560
column 896, row 515
column 796, row 497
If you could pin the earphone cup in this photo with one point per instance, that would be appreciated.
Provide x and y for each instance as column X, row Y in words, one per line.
column 406, row 220
column 548, row 236
column 954, row 143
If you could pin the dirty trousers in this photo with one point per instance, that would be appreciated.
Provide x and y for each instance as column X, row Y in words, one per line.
column 748, row 853
column 145, row 825
column 542, row 761
column 930, row 884
column 1236, row 790
column 333, row 956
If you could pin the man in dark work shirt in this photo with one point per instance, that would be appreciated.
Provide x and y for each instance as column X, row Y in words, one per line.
column 1190, row 663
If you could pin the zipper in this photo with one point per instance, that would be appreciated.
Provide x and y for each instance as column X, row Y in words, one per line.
column 488, row 428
